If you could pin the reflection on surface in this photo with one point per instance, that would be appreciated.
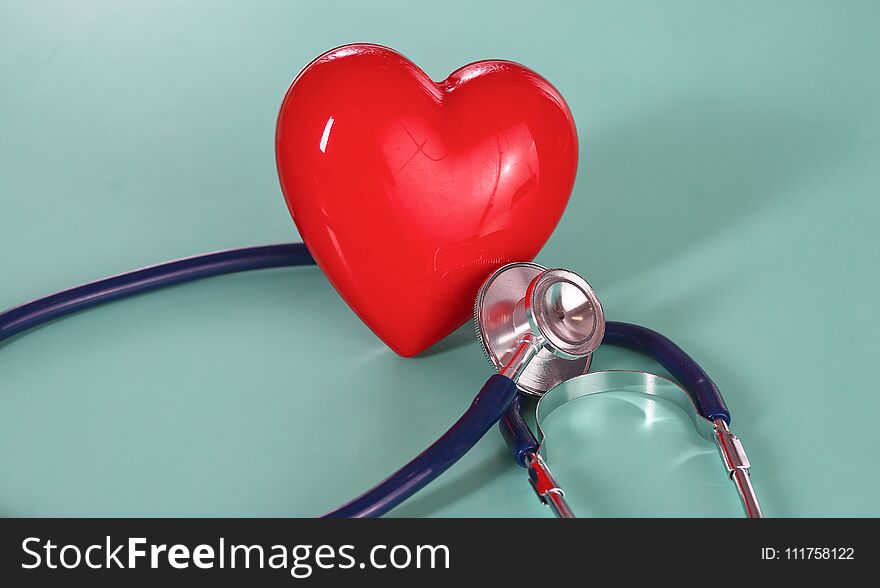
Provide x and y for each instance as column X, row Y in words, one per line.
column 325, row 136
column 571, row 313
column 494, row 171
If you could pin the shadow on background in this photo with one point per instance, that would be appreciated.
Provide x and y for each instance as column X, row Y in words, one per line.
column 463, row 335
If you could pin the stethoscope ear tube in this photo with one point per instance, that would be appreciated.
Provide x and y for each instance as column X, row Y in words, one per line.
column 37, row 312
column 673, row 358
column 705, row 394
column 730, row 449
column 707, row 409
column 517, row 434
column 487, row 408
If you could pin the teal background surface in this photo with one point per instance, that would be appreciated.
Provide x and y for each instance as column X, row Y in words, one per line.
column 728, row 195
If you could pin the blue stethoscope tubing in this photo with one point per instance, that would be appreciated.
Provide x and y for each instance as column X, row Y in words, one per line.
column 498, row 400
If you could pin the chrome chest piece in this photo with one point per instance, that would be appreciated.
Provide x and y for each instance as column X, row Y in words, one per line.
column 554, row 311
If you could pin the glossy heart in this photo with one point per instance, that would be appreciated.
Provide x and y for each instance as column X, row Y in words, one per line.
column 409, row 193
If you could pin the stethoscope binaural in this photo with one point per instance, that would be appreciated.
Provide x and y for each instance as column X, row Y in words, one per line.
column 538, row 327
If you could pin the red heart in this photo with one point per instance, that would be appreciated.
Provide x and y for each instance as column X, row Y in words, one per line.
column 409, row 193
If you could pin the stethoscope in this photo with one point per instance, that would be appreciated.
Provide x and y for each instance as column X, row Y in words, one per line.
column 538, row 327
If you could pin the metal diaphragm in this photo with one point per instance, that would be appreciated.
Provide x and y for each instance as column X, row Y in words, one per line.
column 557, row 306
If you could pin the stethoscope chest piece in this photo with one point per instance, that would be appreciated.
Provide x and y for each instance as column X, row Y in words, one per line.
column 520, row 298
